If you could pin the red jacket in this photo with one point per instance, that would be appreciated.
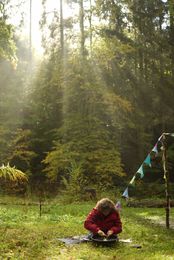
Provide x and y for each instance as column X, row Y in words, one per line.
column 96, row 221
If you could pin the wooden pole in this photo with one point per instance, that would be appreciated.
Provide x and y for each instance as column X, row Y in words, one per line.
column 166, row 178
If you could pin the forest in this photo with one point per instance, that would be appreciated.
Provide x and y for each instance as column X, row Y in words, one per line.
column 90, row 108
column 86, row 129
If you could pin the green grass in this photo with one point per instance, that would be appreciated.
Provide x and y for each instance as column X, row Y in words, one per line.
column 24, row 235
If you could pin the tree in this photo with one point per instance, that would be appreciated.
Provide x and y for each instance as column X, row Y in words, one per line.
column 7, row 43
column 84, row 136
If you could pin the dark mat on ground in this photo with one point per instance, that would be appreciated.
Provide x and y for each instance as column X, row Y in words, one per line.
column 84, row 238
column 75, row 239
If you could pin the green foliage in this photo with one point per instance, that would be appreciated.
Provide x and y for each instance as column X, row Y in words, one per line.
column 85, row 135
column 12, row 107
column 7, row 43
column 5, row 135
column 101, row 97
column 74, row 181
column 20, row 150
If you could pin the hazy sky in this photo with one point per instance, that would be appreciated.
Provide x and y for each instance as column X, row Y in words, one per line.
column 36, row 15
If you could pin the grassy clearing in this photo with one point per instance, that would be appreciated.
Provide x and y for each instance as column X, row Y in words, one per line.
column 24, row 235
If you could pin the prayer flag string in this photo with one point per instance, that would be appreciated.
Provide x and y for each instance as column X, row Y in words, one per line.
column 147, row 161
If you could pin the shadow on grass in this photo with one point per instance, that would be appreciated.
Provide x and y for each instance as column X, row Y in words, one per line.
column 154, row 238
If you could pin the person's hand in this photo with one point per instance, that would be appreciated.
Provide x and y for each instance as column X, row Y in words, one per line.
column 110, row 233
column 101, row 233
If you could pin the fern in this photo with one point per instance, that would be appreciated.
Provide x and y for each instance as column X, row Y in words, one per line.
column 12, row 174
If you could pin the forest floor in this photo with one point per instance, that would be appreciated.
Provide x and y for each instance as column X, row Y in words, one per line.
column 26, row 235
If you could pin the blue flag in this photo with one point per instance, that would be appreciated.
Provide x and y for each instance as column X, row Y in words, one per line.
column 125, row 193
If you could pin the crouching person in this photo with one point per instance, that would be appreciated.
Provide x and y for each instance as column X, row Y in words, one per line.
column 104, row 220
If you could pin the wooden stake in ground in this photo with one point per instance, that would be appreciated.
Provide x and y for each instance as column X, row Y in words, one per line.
column 166, row 178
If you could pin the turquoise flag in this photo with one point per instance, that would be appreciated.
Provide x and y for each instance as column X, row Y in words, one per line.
column 148, row 160
column 141, row 172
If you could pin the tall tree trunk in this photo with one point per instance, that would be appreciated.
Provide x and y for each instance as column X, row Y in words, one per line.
column 30, row 31
column 61, row 27
column 82, row 34
column 171, row 14
column 90, row 26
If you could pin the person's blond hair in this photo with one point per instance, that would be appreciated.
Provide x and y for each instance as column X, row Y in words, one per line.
column 105, row 204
